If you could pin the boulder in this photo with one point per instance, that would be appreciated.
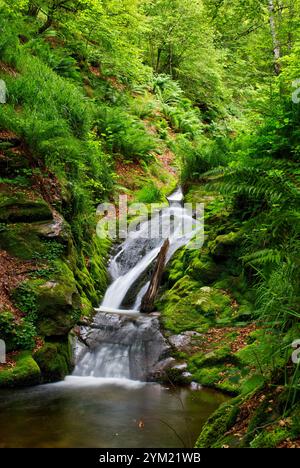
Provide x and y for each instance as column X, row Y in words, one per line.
column 223, row 245
column 22, row 206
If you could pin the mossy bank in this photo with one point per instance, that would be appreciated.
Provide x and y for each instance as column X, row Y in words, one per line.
column 209, row 313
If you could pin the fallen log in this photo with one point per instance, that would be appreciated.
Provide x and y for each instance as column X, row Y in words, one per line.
column 147, row 305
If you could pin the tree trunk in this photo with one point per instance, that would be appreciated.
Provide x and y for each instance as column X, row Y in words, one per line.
column 276, row 44
column 32, row 10
column 46, row 25
column 149, row 298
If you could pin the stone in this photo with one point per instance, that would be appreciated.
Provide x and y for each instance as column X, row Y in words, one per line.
column 184, row 340
column 22, row 206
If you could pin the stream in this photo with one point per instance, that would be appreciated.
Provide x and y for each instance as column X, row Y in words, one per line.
column 110, row 400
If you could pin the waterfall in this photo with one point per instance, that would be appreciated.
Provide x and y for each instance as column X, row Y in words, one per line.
column 124, row 343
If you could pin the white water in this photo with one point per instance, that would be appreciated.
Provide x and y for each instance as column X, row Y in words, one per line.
column 126, row 344
column 138, row 252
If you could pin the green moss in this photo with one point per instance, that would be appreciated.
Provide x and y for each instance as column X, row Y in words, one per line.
column 217, row 425
column 54, row 360
column 22, row 206
column 176, row 376
column 270, row 439
column 27, row 241
column 26, row 372
column 223, row 245
column 221, row 355
column 55, row 304
column 186, row 308
column 20, row 241
column 204, row 269
column 90, row 270
column 17, row 334
column 58, row 306
column 223, row 377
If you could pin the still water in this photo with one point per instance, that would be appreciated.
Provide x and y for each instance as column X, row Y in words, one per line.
column 93, row 412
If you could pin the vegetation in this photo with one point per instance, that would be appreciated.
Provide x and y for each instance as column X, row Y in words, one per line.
column 203, row 87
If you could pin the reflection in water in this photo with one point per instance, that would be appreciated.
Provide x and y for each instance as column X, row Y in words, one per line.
column 89, row 412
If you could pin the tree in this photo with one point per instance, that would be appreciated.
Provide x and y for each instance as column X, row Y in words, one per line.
column 52, row 9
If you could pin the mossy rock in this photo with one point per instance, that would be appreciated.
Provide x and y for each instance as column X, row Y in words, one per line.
column 217, row 425
column 25, row 241
column 22, row 206
column 25, row 373
column 92, row 280
column 178, row 376
column 186, row 307
column 223, row 245
column 54, row 360
column 204, row 269
column 220, row 376
column 58, row 306
column 56, row 302
column 221, row 355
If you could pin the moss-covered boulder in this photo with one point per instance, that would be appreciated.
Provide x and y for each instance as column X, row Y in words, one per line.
column 223, row 245
column 54, row 305
column 186, row 307
column 58, row 306
column 26, row 241
column 54, row 360
column 204, row 269
column 26, row 372
column 22, row 206
column 213, row 432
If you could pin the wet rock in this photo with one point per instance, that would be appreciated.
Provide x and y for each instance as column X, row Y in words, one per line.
column 143, row 344
column 57, row 229
column 160, row 369
column 183, row 341
column 195, row 386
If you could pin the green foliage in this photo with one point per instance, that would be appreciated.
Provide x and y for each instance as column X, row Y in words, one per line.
column 150, row 193
column 17, row 335
column 124, row 134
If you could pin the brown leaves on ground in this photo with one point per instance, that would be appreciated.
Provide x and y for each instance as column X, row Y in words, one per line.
column 167, row 159
column 47, row 184
column 129, row 173
column 246, row 412
column 7, row 135
column 221, row 336
column 12, row 272
column 8, row 69
column 288, row 443
column 10, row 361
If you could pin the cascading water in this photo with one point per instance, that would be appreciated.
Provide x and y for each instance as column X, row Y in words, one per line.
column 107, row 402
column 123, row 343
